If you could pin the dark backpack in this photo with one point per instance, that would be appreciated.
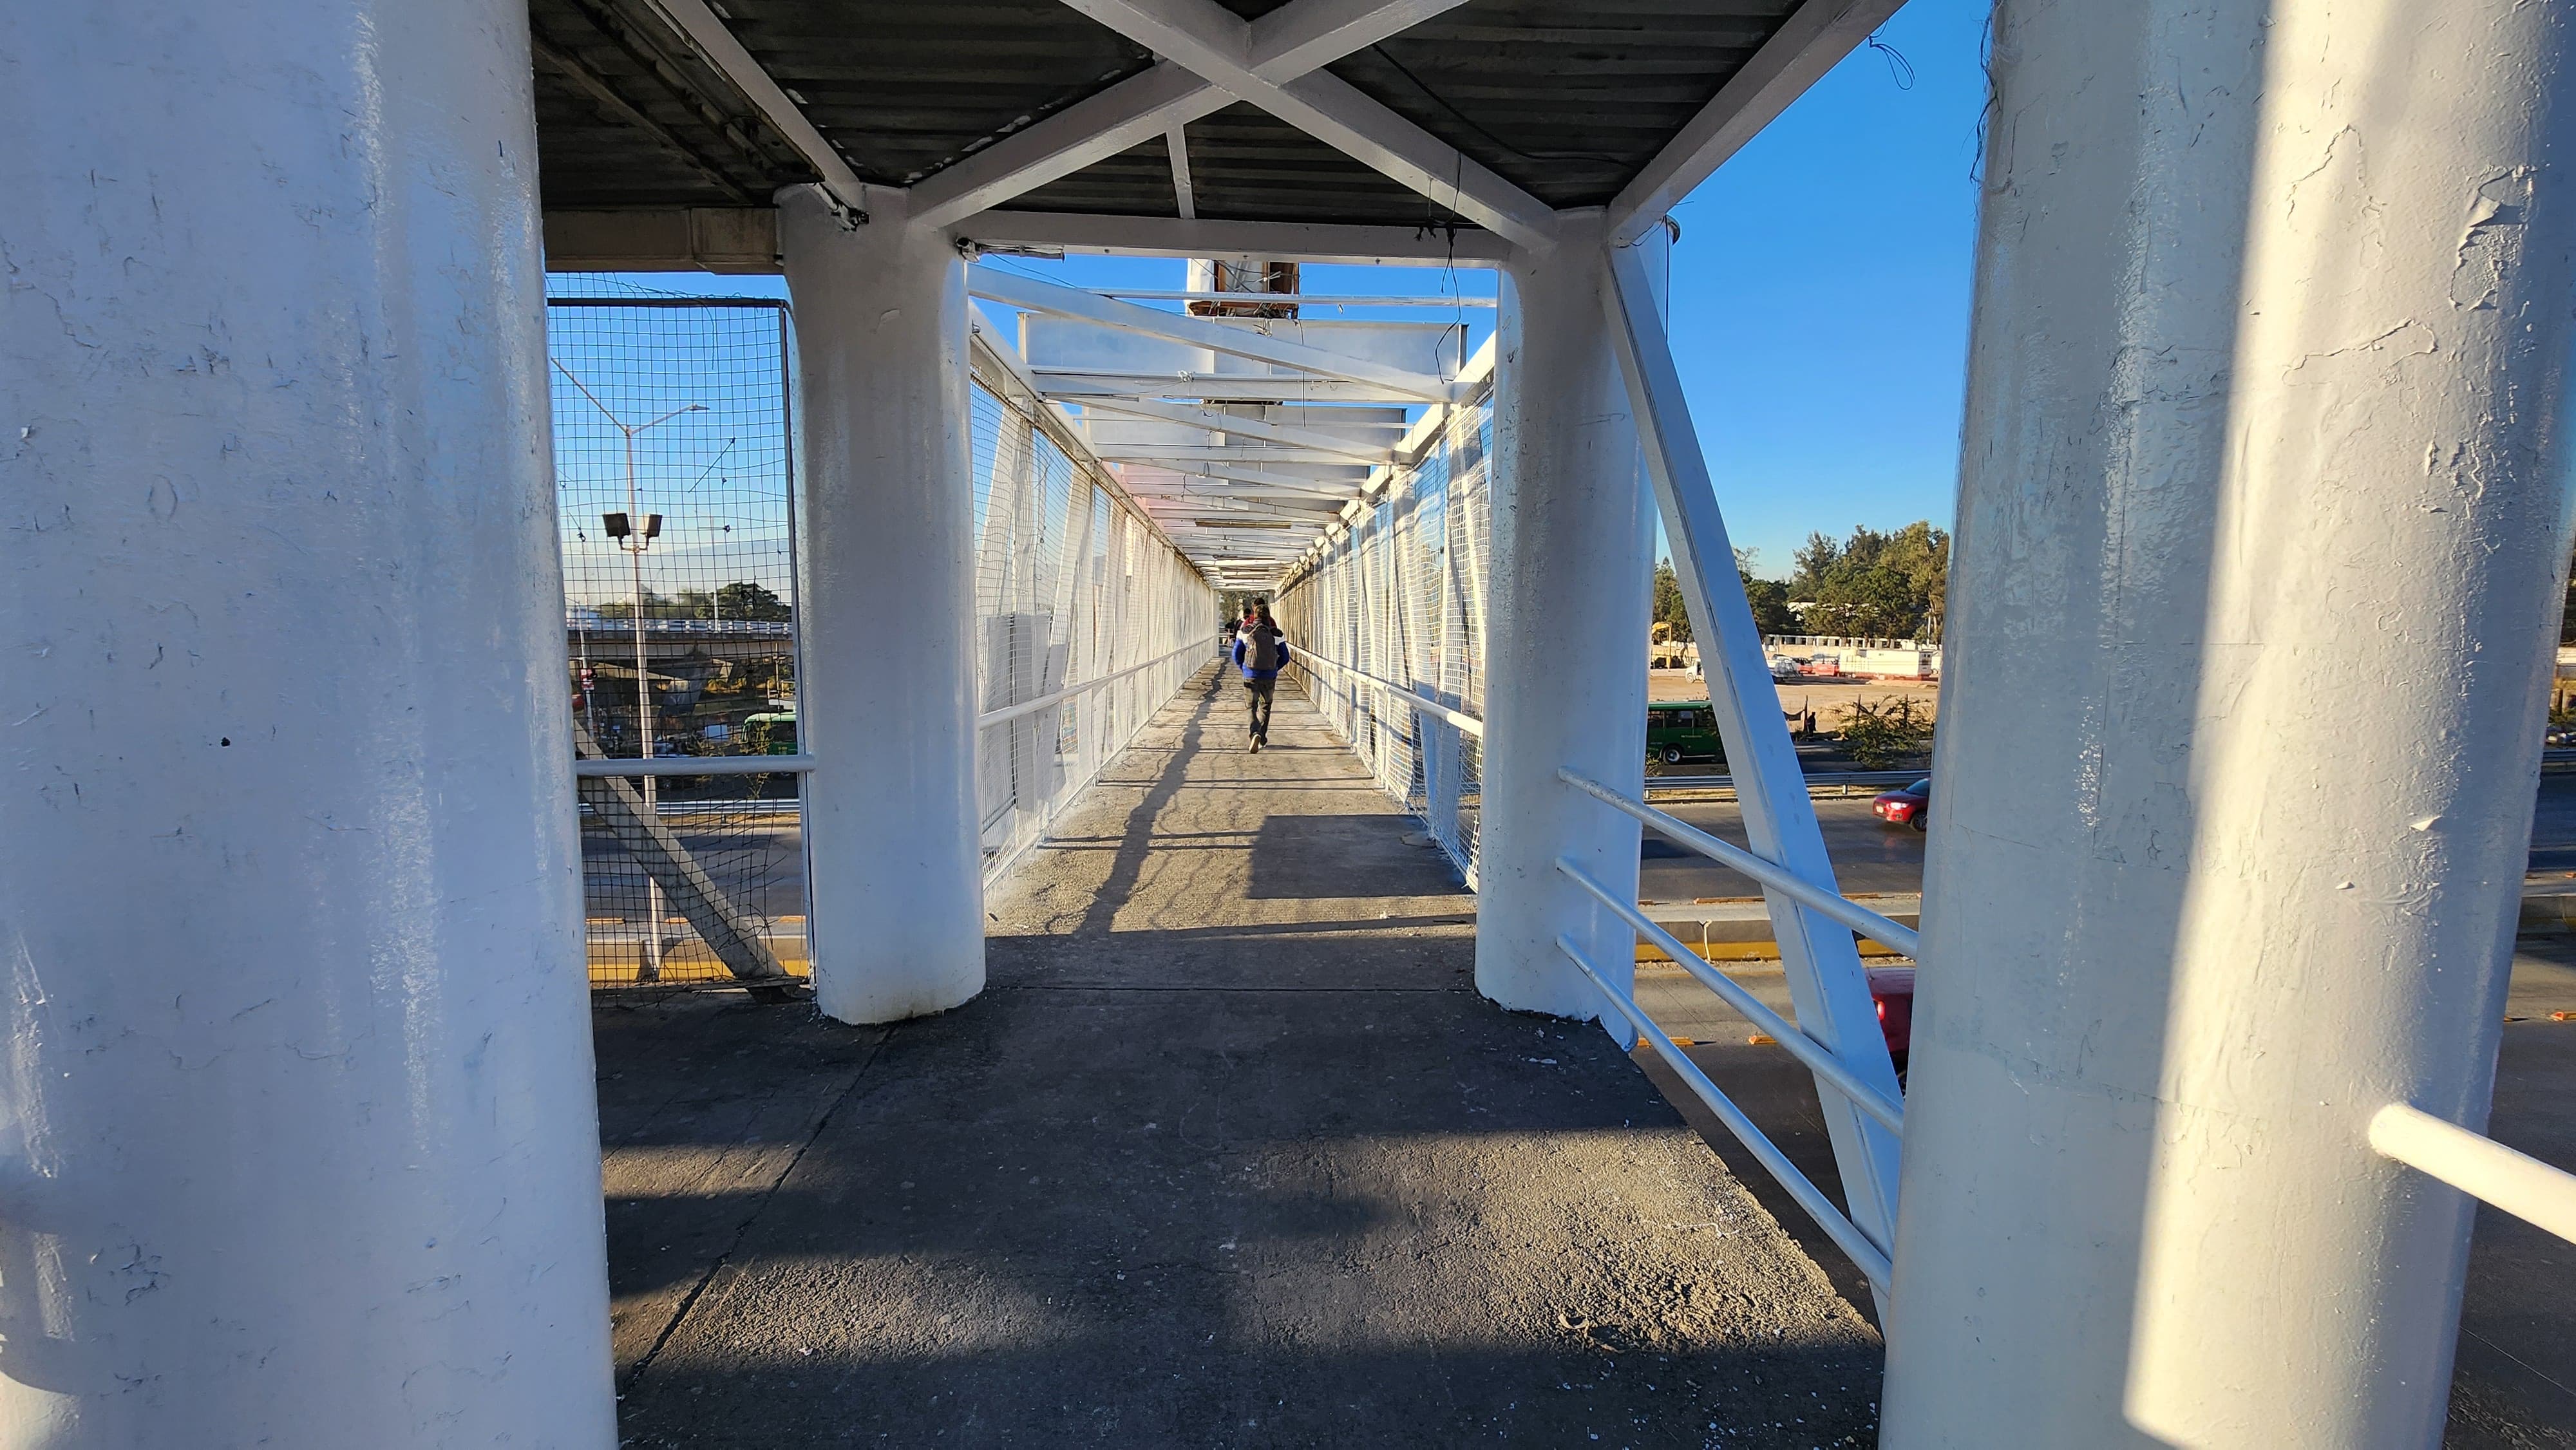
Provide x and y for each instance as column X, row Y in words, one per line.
column 1261, row 649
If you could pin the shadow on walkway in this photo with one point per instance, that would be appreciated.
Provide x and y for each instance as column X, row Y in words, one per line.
column 1206, row 1165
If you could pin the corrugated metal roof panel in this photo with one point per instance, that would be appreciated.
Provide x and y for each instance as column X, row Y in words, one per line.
column 1566, row 100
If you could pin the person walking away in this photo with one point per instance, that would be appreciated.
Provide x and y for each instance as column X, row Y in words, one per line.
column 1260, row 652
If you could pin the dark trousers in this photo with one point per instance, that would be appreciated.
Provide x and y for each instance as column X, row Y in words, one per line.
column 1261, row 691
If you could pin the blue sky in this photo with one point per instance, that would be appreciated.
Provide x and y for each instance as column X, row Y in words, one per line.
column 1820, row 292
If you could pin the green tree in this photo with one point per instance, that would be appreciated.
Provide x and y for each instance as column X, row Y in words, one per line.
column 1769, row 598
column 1669, row 608
column 1875, row 584
column 656, row 606
column 743, row 599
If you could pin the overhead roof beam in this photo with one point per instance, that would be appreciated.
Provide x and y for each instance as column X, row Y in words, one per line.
column 1236, row 241
column 1301, row 300
column 1309, row 480
column 1217, row 44
column 1235, row 426
column 1299, row 38
column 1185, row 199
column 1192, row 453
column 1013, row 290
column 1321, row 493
column 1295, row 40
column 591, row 83
column 1292, row 506
column 1084, row 385
column 714, row 41
column 1127, row 115
column 1797, row 55
column 1201, row 509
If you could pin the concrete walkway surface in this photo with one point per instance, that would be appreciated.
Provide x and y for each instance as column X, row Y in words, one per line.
column 1229, row 1154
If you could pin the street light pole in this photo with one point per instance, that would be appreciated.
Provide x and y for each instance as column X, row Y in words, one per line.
column 637, row 537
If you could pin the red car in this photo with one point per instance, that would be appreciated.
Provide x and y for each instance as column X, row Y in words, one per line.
column 1906, row 807
column 1892, row 988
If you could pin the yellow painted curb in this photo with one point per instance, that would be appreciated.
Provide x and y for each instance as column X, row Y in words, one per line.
column 1746, row 951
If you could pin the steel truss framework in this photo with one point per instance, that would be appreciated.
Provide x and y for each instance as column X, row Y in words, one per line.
column 1087, row 616
column 1248, row 487
column 1255, row 493
column 1390, row 616
column 384, row 447
column 1392, row 599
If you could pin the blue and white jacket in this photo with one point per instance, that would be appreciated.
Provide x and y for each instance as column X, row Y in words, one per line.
column 1249, row 654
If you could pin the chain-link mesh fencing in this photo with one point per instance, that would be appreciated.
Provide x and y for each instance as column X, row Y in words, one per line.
column 1088, row 619
column 1400, row 596
column 675, row 469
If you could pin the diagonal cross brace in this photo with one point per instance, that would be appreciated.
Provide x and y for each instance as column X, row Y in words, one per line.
column 1212, row 42
column 1827, row 983
column 1281, row 46
column 1035, row 295
column 708, row 911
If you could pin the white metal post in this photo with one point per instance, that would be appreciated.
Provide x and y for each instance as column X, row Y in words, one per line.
column 888, row 594
column 1827, row 983
column 2263, row 517
column 1566, row 637
column 298, row 1144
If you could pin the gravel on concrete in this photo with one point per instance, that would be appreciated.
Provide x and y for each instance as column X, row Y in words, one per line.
column 1230, row 1153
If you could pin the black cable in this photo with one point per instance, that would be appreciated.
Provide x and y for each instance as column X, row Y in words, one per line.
column 1899, row 69
column 1497, row 141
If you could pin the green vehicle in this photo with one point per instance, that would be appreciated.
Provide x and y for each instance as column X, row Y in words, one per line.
column 1679, row 730
column 773, row 733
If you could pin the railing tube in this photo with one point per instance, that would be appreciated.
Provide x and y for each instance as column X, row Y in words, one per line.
column 1806, row 893
column 1799, row 1045
column 670, row 765
column 1847, row 1236
column 2478, row 1166
column 1031, row 707
column 1427, row 705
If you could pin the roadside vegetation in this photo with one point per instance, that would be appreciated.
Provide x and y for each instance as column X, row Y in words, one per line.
column 1880, row 734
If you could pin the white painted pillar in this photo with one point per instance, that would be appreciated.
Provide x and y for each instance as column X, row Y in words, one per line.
column 2262, row 523
column 297, row 1141
column 1566, row 621
column 887, row 590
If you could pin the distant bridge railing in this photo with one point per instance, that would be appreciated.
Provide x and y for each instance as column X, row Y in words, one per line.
column 593, row 620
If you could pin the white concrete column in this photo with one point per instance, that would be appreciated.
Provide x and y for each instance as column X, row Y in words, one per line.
column 2263, row 516
column 887, row 591
column 297, row 1138
column 1565, row 647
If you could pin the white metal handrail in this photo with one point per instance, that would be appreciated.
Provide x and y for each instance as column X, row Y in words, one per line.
column 1847, row 1236
column 1806, row 893
column 1806, row 1049
column 2478, row 1166
column 1459, row 718
column 670, row 765
column 1031, row 707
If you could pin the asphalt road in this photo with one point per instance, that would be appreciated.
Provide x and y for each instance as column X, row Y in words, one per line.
column 1870, row 855
column 761, row 860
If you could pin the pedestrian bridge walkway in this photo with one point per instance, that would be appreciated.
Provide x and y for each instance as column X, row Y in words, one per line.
column 1230, row 1153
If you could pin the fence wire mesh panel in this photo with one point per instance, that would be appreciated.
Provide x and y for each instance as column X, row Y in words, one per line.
column 1400, row 595
column 1080, row 603
column 674, row 476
